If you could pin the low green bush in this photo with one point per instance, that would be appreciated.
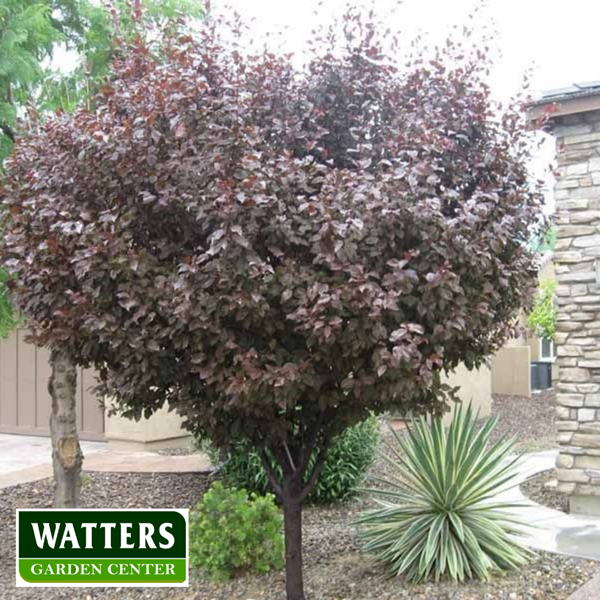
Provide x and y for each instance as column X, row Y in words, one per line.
column 348, row 459
column 437, row 513
column 231, row 532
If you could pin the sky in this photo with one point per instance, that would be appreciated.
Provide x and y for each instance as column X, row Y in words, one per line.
column 558, row 40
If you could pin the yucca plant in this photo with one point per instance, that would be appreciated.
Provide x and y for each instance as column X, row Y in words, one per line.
column 437, row 515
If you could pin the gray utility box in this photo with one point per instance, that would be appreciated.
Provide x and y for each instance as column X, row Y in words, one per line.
column 541, row 375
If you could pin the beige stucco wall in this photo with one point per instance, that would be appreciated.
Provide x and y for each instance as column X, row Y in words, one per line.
column 162, row 430
column 547, row 272
column 521, row 339
column 475, row 388
column 511, row 371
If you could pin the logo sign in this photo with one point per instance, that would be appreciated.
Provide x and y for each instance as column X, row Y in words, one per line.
column 119, row 548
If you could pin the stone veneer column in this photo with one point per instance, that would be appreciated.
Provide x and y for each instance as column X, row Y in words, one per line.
column 577, row 219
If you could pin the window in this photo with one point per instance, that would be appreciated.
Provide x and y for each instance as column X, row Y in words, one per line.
column 547, row 350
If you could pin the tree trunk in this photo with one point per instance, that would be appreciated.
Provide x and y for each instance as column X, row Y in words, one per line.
column 67, row 457
column 291, row 491
column 294, row 584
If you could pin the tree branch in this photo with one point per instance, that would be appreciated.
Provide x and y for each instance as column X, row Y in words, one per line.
column 316, row 471
column 264, row 458
column 310, row 443
column 289, row 456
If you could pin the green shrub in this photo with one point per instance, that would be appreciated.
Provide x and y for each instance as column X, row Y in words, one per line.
column 437, row 515
column 231, row 532
column 347, row 461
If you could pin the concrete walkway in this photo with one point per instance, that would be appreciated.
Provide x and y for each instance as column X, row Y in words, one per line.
column 19, row 452
column 27, row 458
column 550, row 529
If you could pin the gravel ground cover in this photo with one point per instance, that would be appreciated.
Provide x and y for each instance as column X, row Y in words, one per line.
column 534, row 489
column 334, row 568
column 530, row 420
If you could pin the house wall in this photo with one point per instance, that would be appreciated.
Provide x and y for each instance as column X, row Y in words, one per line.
column 25, row 403
column 577, row 218
column 162, row 430
column 511, row 371
column 475, row 388
column 24, row 398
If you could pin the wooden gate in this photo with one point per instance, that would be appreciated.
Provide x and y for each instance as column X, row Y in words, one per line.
column 24, row 398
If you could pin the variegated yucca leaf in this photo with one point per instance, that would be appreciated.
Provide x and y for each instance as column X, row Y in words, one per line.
column 437, row 515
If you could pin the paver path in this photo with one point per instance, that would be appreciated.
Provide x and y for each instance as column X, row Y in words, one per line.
column 28, row 458
column 550, row 529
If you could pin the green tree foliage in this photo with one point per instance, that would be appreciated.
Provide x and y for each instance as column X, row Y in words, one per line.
column 31, row 30
column 548, row 241
column 231, row 532
column 542, row 318
column 437, row 514
column 27, row 36
column 277, row 250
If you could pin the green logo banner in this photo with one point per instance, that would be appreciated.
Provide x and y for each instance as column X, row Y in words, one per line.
column 88, row 547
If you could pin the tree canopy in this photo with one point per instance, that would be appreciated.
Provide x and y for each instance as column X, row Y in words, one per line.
column 275, row 249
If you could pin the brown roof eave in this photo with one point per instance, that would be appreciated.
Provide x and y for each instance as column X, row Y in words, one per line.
column 566, row 104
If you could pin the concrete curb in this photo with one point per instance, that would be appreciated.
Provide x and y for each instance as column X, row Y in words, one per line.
column 147, row 462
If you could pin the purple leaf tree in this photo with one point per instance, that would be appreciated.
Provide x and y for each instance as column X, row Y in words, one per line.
column 276, row 250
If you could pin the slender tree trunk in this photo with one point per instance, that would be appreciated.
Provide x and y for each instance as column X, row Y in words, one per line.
column 67, row 457
column 294, row 583
column 291, row 491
